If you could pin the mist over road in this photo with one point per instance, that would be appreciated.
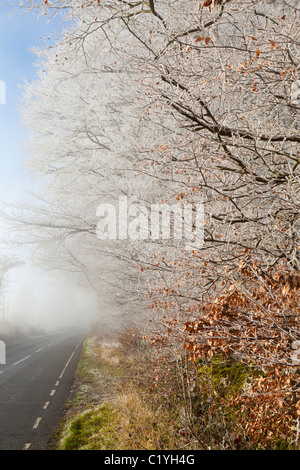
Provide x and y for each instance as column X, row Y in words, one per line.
column 34, row 386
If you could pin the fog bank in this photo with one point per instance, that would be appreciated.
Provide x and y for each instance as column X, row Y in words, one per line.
column 36, row 300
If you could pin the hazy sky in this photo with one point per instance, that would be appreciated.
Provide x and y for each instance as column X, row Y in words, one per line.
column 31, row 296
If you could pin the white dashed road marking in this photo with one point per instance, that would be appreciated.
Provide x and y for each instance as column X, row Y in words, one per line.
column 47, row 403
column 24, row 359
column 36, row 424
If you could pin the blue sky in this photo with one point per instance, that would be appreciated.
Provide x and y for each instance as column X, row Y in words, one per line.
column 19, row 32
column 30, row 291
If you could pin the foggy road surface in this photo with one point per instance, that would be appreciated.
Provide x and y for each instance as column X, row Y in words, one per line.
column 34, row 386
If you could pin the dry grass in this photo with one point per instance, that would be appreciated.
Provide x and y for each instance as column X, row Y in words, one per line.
column 111, row 408
column 143, row 425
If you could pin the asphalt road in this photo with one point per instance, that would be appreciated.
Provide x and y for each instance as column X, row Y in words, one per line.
column 34, row 386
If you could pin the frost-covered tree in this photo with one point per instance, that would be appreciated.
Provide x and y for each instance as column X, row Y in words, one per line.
column 198, row 99
column 84, row 124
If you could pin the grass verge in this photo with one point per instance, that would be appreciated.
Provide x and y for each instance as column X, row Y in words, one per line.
column 112, row 408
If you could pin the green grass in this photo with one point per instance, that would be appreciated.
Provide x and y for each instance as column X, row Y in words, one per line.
column 92, row 430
